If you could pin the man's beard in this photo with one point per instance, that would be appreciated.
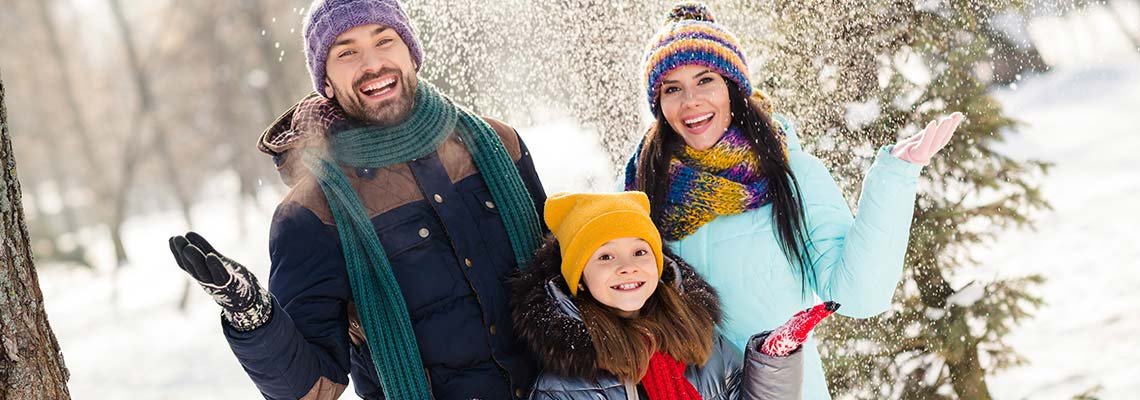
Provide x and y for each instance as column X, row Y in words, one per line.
column 385, row 113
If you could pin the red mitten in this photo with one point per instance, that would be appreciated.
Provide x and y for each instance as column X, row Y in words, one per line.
column 789, row 336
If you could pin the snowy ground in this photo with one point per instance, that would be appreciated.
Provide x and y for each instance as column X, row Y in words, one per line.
column 1087, row 245
column 139, row 346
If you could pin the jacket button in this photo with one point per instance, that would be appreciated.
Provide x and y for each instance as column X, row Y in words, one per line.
column 519, row 393
column 467, row 261
column 438, row 198
column 424, row 232
column 489, row 204
column 492, row 329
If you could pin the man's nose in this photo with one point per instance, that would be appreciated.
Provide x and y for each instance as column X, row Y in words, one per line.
column 373, row 61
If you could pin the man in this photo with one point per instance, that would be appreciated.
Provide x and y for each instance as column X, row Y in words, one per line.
column 405, row 215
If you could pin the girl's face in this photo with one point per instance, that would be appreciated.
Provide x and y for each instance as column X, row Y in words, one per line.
column 622, row 274
column 694, row 100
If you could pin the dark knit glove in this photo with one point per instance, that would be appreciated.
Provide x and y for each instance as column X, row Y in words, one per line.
column 245, row 304
column 787, row 338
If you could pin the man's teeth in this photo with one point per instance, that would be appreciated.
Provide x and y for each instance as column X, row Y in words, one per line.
column 378, row 85
column 698, row 119
column 628, row 286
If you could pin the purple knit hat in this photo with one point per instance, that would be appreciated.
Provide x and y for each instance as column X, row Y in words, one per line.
column 328, row 19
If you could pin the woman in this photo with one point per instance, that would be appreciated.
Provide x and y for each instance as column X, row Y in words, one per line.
column 763, row 221
column 608, row 313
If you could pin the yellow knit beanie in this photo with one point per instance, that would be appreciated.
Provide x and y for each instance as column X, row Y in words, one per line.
column 582, row 222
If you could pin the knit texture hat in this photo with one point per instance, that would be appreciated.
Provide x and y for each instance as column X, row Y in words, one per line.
column 691, row 36
column 328, row 19
column 582, row 222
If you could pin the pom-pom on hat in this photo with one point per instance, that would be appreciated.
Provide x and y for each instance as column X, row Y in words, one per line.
column 691, row 36
column 583, row 222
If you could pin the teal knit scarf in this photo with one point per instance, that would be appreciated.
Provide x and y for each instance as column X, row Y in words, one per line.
column 383, row 313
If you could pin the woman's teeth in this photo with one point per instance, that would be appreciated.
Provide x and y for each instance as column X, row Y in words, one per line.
column 694, row 121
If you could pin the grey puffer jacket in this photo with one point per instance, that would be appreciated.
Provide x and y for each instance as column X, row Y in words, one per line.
column 547, row 318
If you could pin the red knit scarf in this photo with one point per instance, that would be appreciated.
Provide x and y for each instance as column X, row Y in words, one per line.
column 665, row 379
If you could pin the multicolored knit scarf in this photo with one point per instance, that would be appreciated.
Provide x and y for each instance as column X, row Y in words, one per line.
column 704, row 184
column 383, row 313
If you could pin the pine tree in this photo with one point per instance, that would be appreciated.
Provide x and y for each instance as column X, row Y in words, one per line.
column 31, row 365
column 856, row 75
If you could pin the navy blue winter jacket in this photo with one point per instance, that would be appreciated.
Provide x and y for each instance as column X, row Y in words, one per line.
column 450, row 254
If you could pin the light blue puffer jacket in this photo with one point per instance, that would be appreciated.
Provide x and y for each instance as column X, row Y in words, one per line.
column 858, row 261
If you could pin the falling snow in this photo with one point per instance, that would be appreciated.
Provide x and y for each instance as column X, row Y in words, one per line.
column 569, row 78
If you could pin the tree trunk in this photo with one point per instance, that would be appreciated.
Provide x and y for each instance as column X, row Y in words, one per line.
column 161, row 136
column 90, row 152
column 966, row 373
column 31, row 364
column 67, row 213
column 147, row 109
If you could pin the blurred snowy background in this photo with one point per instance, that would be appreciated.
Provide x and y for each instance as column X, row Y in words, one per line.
column 119, row 152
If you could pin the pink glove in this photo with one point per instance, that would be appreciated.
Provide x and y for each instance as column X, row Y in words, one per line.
column 918, row 149
column 792, row 334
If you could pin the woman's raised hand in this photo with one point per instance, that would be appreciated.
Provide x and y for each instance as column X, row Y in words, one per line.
column 918, row 149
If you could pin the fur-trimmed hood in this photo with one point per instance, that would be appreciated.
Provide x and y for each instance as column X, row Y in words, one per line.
column 546, row 317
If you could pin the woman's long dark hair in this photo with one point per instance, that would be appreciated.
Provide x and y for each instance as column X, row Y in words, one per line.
column 662, row 143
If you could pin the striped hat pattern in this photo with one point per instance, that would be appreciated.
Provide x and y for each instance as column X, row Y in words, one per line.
column 691, row 36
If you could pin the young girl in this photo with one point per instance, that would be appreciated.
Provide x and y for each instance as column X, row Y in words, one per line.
column 735, row 195
column 611, row 315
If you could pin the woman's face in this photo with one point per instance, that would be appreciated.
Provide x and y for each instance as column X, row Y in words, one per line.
column 694, row 100
column 622, row 274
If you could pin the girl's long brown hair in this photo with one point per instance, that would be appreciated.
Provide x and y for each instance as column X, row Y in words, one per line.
column 666, row 323
column 662, row 142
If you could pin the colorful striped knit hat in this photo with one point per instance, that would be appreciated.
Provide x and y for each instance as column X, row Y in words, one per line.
column 691, row 36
